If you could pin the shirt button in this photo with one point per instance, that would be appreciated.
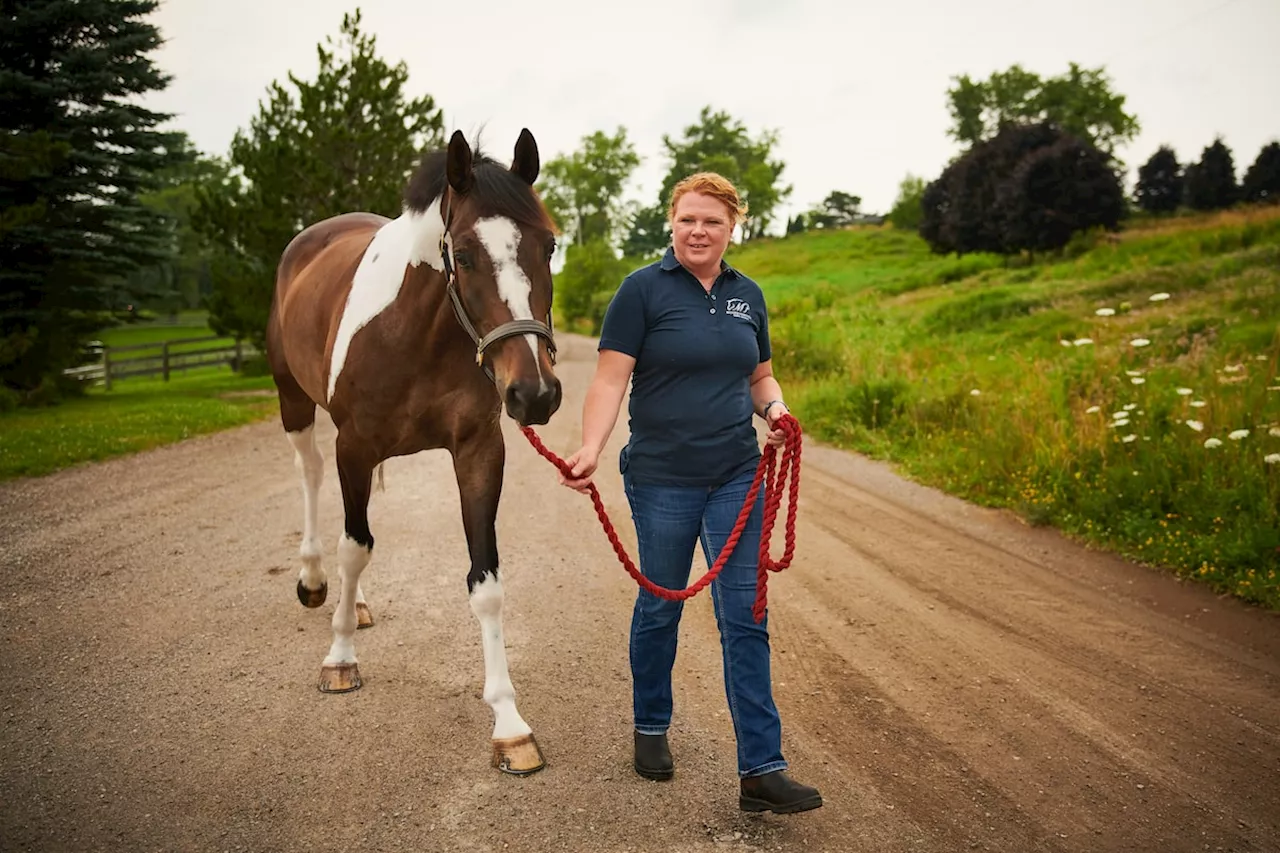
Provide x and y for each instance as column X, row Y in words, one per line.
column 713, row 310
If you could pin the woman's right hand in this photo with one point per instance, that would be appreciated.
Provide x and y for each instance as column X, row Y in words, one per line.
column 582, row 465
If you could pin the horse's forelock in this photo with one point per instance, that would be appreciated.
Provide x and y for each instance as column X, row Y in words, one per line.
column 497, row 191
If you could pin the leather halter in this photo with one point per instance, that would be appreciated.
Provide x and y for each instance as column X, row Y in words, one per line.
column 509, row 329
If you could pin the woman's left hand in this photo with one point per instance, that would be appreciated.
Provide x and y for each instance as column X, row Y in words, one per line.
column 776, row 436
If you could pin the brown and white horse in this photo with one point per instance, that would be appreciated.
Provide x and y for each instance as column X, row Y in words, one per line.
column 412, row 333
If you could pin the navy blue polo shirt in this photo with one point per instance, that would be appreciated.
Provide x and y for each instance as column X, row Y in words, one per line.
column 690, row 409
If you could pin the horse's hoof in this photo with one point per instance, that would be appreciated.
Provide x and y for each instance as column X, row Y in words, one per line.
column 313, row 597
column 518, row 756
column 339, row 678
column 364, row 616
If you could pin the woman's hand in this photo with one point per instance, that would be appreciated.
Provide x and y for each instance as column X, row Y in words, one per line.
column 777, row 437
column 582, row 465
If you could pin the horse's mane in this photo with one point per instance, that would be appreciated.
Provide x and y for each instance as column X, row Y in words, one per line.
column 497, row 191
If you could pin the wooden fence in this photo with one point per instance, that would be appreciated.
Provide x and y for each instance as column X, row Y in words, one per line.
column 174, row 356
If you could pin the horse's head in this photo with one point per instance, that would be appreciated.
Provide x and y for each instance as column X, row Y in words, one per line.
column 499, row 242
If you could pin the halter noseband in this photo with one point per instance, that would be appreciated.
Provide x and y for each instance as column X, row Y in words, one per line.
column 509, row 329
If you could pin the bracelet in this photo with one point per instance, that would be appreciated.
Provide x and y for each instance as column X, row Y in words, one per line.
column 765, row 412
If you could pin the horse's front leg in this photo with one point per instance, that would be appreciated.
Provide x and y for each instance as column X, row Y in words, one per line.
column 478, row 466
column 339, row 673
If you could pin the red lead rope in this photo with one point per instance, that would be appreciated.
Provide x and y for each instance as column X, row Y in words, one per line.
column 769, row 472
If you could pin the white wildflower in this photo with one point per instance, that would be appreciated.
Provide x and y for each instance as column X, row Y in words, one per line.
column 1273, row 387
column 975, row 392
column 1137, row 380
column 1093, row 410
column 1129, row 407
column 1105, row 312
column 1274, row 432
column 1139, row 342
column 1198, row 426
column 1185, row 392
column 1211, row 443
column 1238, row 434
column 1233, row 368
column 1082, row 342
column 1120, row 415
column 1198, row 404
column 1129, row 438
column 1133, row 373
column 1158, row 297
column 1065, row 343
column 1261, row 357
column 1272, row 459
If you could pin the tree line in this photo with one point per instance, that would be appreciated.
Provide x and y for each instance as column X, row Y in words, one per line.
column 101, row 212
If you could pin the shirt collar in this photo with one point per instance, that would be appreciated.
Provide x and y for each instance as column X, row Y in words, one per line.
column 670, row 263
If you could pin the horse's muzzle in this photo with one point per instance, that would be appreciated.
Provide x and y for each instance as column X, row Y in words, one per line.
column 532, row 402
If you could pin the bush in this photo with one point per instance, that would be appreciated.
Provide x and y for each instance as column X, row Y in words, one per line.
column 591, row 275
column 1030, row 187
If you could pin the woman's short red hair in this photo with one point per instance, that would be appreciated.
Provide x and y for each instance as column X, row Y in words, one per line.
column 716, row 186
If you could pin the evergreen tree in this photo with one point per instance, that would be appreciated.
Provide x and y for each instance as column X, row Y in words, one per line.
column 1262, row 181
column 1160, row 182
column 1211, row 183
column 76, row 153
column 347, row 140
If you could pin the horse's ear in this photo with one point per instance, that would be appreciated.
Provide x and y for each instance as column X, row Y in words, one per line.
column 526, row 163
column 458, row 165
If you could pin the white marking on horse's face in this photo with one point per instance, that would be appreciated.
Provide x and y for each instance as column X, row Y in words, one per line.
column 501, row 239
column 407, row 240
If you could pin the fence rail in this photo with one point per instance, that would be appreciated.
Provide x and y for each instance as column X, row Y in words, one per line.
column 174, row 356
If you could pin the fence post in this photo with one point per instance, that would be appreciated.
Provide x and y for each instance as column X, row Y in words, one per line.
column 164, row 352
column 106, row 367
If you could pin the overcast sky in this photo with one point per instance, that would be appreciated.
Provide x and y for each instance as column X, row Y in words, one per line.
column 856, row 90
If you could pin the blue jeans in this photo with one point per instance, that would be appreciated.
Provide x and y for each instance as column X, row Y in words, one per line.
column 670, row 521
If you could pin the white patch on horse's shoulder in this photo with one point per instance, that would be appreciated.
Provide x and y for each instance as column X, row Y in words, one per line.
column 407, row 240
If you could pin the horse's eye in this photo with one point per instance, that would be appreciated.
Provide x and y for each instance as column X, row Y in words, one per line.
column 551, row 249
column 462, row 259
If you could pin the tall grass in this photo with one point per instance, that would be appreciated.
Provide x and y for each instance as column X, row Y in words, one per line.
column 1006, row 386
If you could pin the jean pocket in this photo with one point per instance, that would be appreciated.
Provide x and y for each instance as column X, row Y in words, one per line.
column 624, row 458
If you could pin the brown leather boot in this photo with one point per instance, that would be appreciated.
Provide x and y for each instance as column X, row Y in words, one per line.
column 778, row 793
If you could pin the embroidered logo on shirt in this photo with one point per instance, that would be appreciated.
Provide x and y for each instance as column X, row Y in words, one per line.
column 739, row 308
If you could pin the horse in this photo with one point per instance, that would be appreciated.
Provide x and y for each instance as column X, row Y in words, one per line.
column 414, row 334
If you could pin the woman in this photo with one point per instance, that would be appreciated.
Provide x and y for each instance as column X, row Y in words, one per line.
column 691, row 334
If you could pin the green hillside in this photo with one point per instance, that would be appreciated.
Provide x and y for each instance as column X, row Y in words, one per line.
column 1079, row 391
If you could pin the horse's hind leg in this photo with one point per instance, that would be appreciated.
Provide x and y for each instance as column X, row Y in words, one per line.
column 339, row 673
column 478, row 467
column 298, row 414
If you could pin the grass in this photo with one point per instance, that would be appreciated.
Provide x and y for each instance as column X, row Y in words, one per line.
column 997, row 380
column 192, row 325
column 138, row 414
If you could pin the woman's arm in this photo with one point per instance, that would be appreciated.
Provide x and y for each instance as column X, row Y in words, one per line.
column 599, row 415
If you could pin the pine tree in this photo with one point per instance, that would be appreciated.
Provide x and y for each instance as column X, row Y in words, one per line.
column 347, row 140
column 1262, row 181
column 1160, row 182
column 1211, row 183
column 76, row 152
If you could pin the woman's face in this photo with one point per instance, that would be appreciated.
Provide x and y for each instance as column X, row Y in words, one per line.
column 700, row 231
